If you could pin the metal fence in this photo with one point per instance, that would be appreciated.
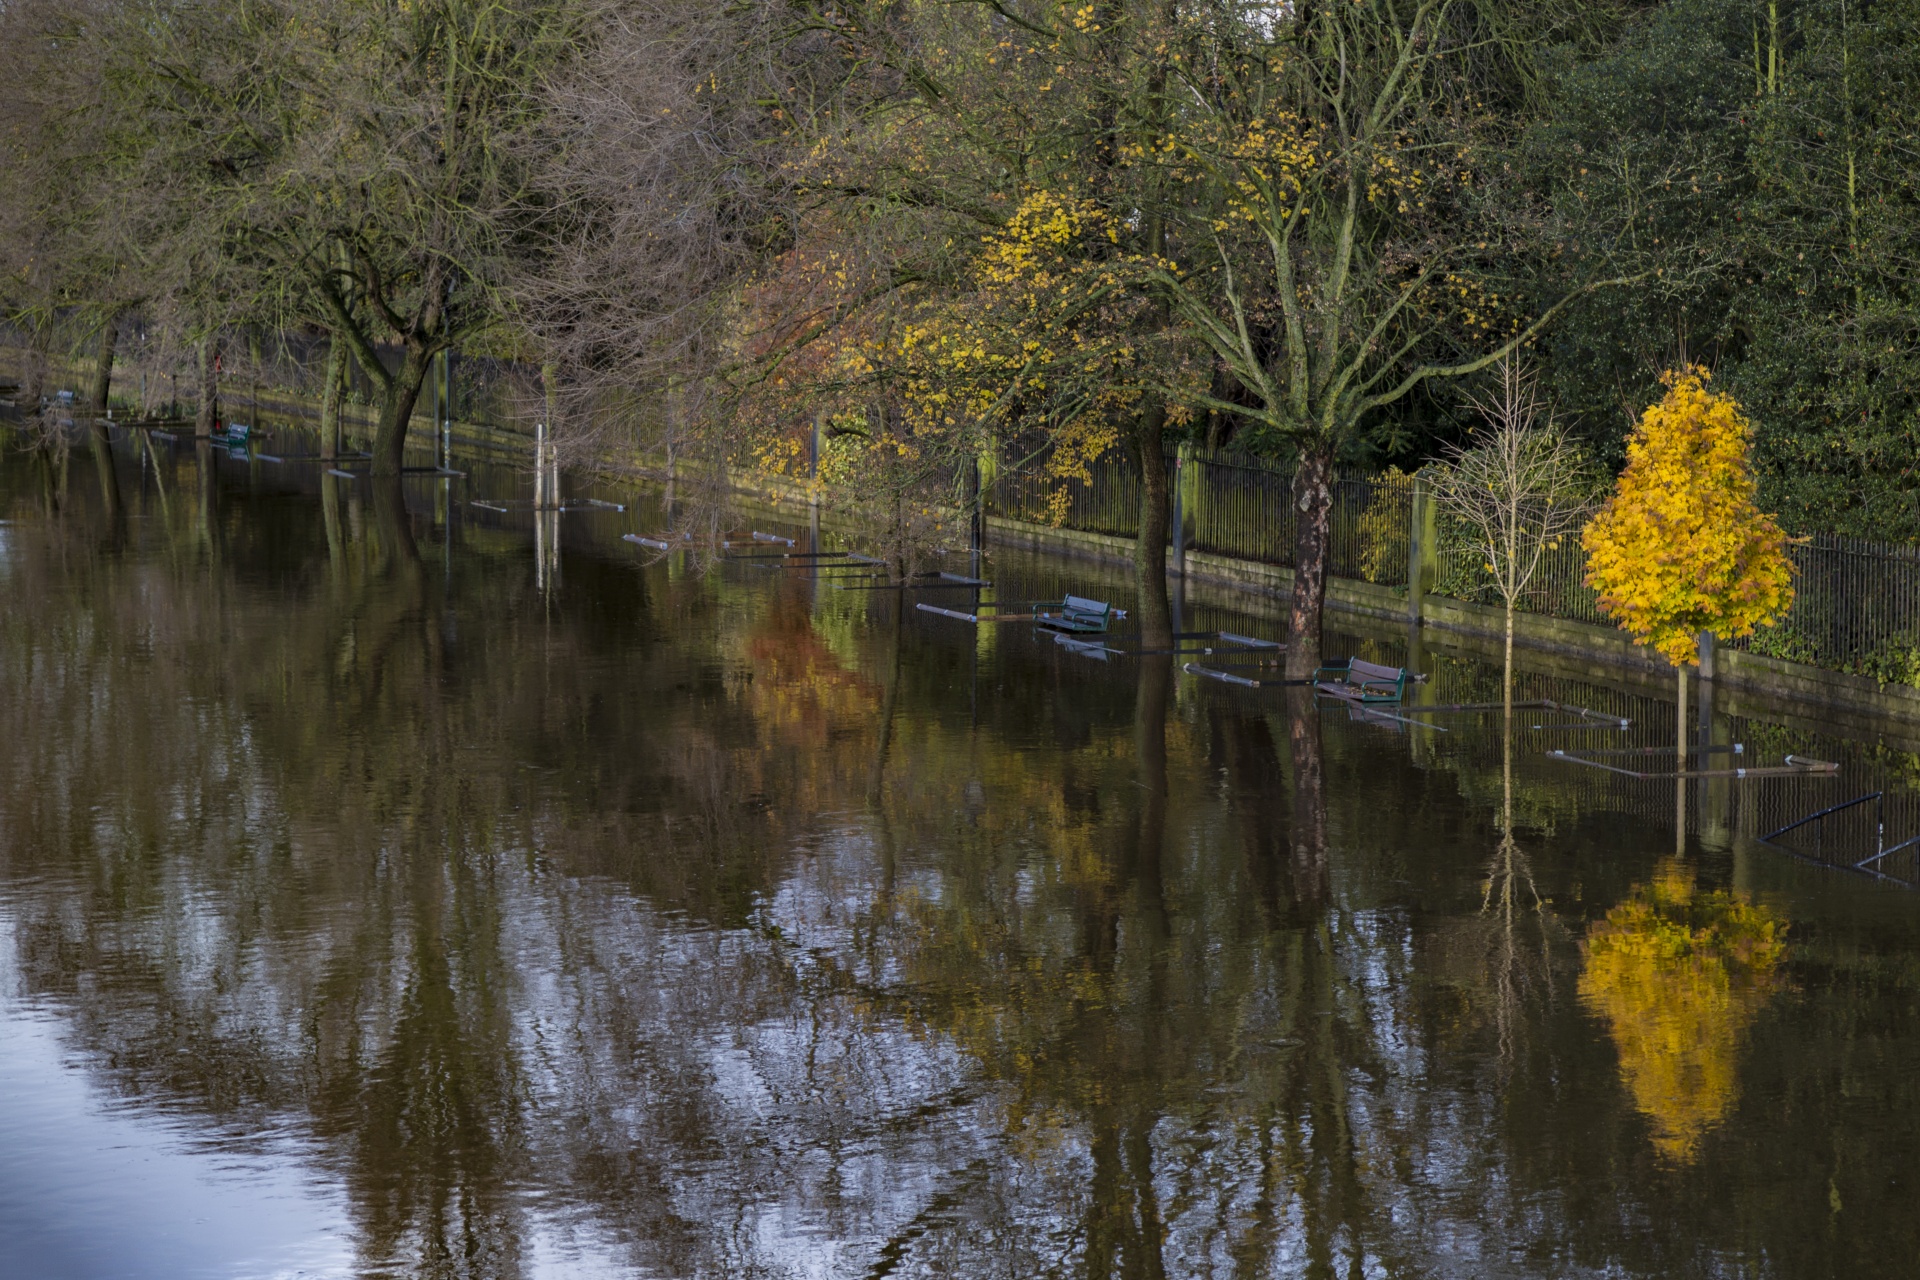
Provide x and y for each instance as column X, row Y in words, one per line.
column 1107, row 501
column 1558, row 588
column 1856, row 604
column 1856, row 607
column 1231, row 506
column 1238, row 507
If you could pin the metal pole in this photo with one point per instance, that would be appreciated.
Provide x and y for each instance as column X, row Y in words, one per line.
column 813, row 464
column 539, row 465
column 446, row 408
column 1709, row 665
column 1179, row 513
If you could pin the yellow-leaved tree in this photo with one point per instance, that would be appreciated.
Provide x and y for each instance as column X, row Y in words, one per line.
column 1681, row 548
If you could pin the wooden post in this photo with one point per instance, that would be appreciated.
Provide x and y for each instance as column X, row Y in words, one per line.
column 1423, row 550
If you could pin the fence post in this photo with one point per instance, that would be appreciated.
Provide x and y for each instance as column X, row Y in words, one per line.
column 1423, row 550
column 1180, row 509
column 813, row 463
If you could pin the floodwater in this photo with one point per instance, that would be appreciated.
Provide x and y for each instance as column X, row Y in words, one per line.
column 388, row 893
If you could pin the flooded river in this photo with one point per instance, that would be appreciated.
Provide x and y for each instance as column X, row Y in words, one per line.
column 386, row 893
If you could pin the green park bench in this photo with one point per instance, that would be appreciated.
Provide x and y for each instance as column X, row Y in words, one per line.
column 1358, row 680
column 1076, row 614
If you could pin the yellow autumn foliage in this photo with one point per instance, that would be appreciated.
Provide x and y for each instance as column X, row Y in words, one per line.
column 1680, row 547
column 1679, row 975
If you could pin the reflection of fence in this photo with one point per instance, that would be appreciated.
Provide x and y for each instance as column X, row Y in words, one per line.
column 1856, row 605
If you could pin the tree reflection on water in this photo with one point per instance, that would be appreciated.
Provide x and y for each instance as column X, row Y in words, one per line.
column 729, row 926
column 1679, row 974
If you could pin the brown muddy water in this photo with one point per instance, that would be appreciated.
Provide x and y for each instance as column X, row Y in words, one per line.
column 386, row 893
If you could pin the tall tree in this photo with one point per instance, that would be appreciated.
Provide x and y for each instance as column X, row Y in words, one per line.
column 377, row 154
column 1342, row 232
column 1830, row 301
column 1680, row 548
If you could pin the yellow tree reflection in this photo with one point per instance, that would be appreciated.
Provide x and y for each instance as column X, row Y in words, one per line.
column 1679, row 975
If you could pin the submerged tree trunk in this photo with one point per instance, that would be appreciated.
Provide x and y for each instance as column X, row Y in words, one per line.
column 396, row 411
column 1308, row 825
column 883, row 744
column 399, row 552
column 49, row 491
column 209, row 412
column 1150, row 546
column 97, row 438
column 207, row 505
column 330, row 395
column 1152, row 698
column 330, row 517
column 1312, row 511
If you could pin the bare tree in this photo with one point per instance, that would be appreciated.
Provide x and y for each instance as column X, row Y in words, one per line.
column 1519, row 488
column 367, row 177
column 666, row 171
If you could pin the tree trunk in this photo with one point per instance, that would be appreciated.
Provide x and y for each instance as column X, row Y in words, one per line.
column 38, row 348
column 396, row 411
column 103, row 367
column 209, row 412
column 1680, row 705
column 97, row 438
column 400, row 554
column 1312, row 512
column 1680, row 782
column 1150, row 547
column 1506, row 676
column 330, row 397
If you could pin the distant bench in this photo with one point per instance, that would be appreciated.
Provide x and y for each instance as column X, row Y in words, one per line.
column 1358, row 680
